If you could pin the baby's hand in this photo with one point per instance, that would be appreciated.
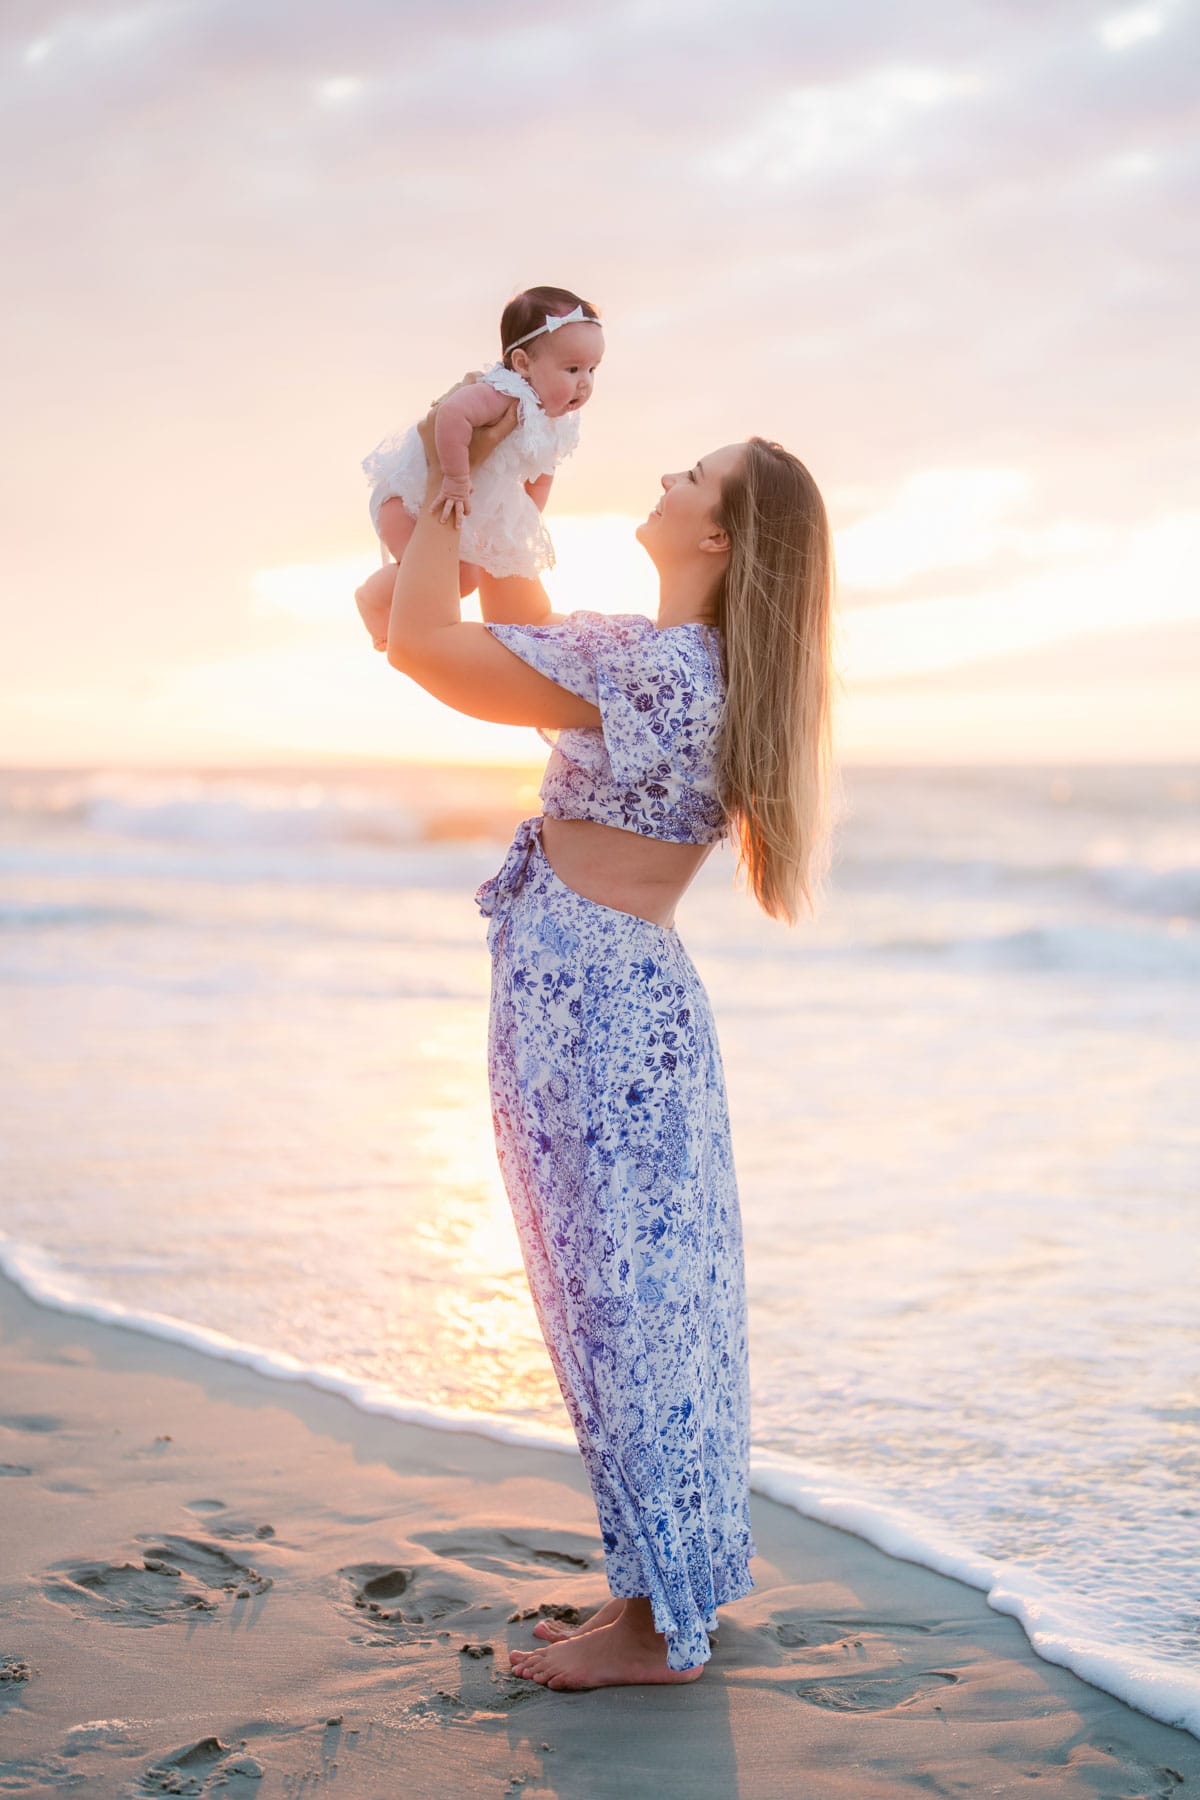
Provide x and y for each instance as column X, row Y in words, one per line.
column 453, row 499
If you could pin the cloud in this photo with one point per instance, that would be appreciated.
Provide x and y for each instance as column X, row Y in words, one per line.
column 1113, row 696
column 1075, row 596
column 247, row 238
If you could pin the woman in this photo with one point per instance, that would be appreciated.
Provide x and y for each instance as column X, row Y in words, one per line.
column 607, row 1086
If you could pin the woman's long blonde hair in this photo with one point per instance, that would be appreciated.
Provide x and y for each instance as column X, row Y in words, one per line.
column 775, row 610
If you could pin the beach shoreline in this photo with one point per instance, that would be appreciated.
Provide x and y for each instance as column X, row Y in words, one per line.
column 218, row 1582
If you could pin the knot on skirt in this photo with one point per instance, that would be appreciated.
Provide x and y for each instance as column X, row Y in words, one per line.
column 496, row 894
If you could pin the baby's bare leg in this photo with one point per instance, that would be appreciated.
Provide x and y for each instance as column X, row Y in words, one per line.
column 396, row 526
column 374, row 598
column 374, row 601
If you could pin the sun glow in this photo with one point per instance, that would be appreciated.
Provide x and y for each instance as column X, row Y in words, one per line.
column 321, row 690
column 1022, row 592
column 1145, row 582
column 1069, row 579
column 937, row 519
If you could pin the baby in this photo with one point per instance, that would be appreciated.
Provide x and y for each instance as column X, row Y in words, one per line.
column 551, row 343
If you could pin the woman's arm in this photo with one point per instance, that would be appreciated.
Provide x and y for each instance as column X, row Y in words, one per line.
column 457, row 661
column 514, row 600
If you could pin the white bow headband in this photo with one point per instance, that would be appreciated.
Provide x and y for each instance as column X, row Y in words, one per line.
column 554, row 322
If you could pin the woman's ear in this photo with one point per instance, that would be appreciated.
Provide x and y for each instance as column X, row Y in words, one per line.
column 716, row 542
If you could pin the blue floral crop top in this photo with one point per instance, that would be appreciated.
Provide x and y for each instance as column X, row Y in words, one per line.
column 650, row 765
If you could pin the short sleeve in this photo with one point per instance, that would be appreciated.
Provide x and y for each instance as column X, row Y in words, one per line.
column 564, row 651
column 655, row 702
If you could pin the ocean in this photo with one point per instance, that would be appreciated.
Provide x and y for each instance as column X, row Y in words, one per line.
column 244, row 1104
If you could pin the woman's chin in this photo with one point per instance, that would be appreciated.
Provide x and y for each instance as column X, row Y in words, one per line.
column 644, row 534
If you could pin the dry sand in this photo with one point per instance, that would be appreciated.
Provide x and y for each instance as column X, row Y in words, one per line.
column 216, row 1583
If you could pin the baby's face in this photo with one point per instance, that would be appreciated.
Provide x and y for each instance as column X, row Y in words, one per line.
column 562, row 367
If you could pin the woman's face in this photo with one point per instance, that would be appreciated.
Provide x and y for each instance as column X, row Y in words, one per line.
column 684, row 523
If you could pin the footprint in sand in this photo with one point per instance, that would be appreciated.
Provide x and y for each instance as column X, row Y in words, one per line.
column 238, row 1528
column 14, row 1673
column 206, row 1562
column 399, row 1603
column 879, row 1694
column 501, row 1554
column 176, row 1575
column 32, row 1776
column 484, row 1693
column 549, row 1609
column 490, row 1691
column 203, row 1767
column 235, row 1526
column 814, row 1634
column 376, row 1587
column 1146, row 1781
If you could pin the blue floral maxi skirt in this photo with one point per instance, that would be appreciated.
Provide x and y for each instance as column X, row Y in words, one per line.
column 612, row 1129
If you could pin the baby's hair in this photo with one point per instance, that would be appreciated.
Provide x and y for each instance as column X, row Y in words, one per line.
column 528, row 310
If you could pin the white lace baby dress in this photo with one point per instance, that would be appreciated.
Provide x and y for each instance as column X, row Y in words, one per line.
column 503, row 531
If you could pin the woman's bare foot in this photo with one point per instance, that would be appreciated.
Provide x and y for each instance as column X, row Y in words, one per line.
column 626, row 1653
column 554, row 1630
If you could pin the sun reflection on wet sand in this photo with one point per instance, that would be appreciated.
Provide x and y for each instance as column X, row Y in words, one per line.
column 480, row 1297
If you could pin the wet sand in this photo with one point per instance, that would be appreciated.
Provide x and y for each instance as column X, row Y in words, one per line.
column 212, row 1582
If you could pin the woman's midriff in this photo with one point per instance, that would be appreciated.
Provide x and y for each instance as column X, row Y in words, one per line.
column 641, row 875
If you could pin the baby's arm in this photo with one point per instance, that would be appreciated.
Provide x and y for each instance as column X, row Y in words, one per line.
column 477, row 404
column 395, row 525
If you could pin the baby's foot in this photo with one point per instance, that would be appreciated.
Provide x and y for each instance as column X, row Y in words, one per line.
column 554, row 1630
column 374, row 602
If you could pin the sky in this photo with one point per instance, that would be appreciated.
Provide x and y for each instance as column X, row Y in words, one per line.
column 946, row 253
